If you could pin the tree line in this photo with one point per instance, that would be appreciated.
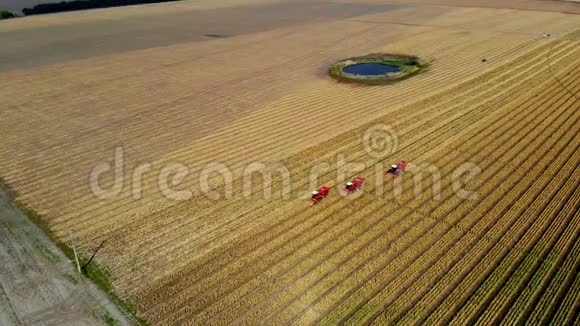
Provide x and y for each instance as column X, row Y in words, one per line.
column 47, row 8
column 5, row 14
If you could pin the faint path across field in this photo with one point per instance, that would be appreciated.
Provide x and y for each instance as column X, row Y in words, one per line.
column 38, row 284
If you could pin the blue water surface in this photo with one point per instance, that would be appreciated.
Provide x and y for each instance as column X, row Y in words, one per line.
column 370, row 69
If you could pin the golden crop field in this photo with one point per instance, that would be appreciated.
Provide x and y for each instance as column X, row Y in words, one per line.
column 259, row 96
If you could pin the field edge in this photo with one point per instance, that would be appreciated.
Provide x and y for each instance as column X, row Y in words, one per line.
column 97, row 274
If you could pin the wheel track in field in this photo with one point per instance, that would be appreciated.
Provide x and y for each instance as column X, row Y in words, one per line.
column 408, row 315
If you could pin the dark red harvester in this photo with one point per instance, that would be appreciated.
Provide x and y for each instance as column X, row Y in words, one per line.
column 398, row 168
column 354, row 185
column 319, row 195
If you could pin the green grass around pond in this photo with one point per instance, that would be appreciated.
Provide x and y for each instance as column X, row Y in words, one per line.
column 408, row 66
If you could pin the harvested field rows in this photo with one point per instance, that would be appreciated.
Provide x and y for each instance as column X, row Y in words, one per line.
column 295, row 208
column 237, row 276
column 394, row 254
column 255, row 205
column 257, row 132
column 338, row 264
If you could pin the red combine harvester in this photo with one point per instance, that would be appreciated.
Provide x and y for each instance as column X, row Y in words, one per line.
column 319, row 195
column 398, row 168
column 354, row 185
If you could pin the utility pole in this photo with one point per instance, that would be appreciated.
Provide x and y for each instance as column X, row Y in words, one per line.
column 84, row 268
column 72, row 244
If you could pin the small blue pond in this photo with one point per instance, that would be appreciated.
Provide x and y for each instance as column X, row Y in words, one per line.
column 370, row 69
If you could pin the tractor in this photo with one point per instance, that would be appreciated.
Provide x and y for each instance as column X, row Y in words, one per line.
column 398, row 168
column 319, row 195
column 354, row 185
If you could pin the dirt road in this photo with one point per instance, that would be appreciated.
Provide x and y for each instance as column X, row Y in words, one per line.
column 38, row 284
